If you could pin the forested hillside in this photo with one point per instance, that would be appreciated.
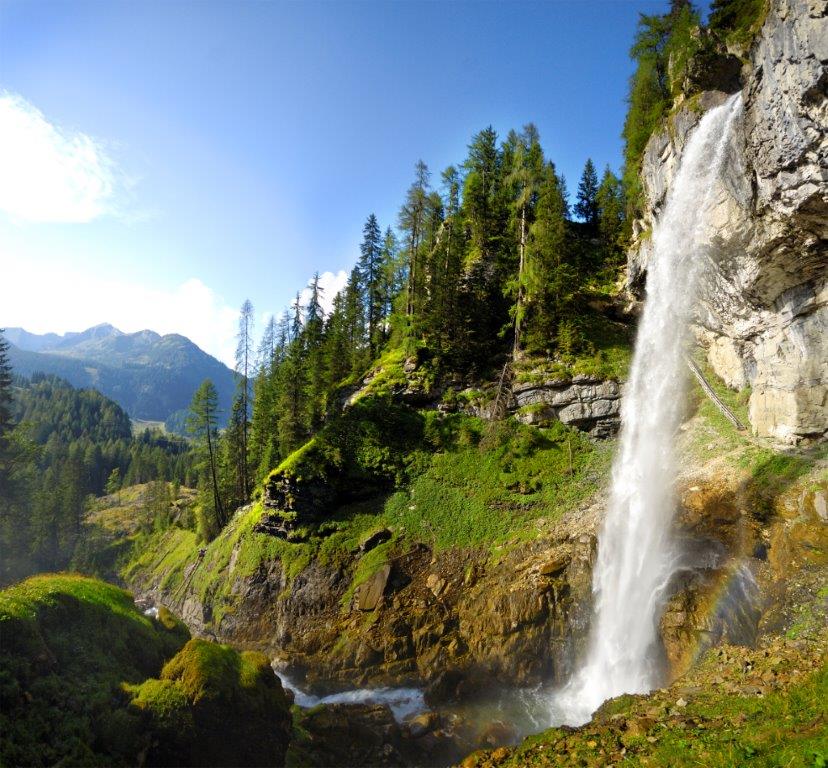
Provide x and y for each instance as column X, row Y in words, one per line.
column 58, row 447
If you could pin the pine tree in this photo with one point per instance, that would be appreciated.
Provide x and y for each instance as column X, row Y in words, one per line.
column 201, row 423
column 393, row 279
column 236, row 460
column 370, row 269
column 586, row 208
column 491, row 256
column 113, row 484
column 610, row 202
column 354, row 323
column 412, row 222
column 6, row 421
column 549, row 276
column 296, row 319
column 525, row 176
column 292, row 385
column 313, row 337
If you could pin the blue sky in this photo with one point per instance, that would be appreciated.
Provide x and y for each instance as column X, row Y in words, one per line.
column 229, row 150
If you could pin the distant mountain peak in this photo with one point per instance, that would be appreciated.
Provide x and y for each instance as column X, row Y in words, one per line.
column 149, row 375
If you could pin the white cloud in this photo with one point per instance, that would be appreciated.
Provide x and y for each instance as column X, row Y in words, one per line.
column 331, row 284
column 47, row 173
column 192, row 309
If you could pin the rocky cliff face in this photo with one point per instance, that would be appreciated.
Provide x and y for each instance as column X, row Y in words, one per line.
column 454, row 619
column 763, row 317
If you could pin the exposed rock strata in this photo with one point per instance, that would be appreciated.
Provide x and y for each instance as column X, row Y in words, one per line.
column 515, row 621
column 764, row 314
column 592, row 405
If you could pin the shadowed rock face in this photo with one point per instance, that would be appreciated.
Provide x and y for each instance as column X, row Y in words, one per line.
column 763, row 316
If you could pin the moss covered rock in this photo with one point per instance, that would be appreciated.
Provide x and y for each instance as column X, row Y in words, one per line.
column 215, row 706
column 75, row 657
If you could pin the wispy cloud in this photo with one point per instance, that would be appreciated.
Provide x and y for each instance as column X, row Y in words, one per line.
column 192, row 308
column 48, row 173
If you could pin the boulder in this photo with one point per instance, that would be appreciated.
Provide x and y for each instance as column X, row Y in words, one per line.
column 370, row 592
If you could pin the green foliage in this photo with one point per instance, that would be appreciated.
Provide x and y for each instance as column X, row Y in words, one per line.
column 586, row 208
column 716, row 729
column 497, row 490
column 737, row 21
column 363, row 451
column 652, row 86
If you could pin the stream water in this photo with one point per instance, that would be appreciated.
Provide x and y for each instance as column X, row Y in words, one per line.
column 637, row 555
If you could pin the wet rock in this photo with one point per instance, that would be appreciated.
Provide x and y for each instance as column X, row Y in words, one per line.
column 497, row 734
column 446, row 687
column 422, row 724
column 352, row 734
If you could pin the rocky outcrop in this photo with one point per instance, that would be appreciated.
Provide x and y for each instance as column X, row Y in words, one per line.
column 764, row 310
column 420, row 615
column 590, row 404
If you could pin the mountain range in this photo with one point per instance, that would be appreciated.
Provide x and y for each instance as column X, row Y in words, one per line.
column 152, row 377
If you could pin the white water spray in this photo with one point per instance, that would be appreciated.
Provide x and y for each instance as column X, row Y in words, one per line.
column 636, row 553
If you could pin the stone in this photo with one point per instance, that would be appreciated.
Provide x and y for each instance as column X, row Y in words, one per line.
column 371, row 591
column 436, row 584
column 422, row 724
column 446, row 687
column 554, row 565
column 588, row 403
column 498, row 733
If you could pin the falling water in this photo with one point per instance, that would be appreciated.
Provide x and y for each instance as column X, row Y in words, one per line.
column 636, row 553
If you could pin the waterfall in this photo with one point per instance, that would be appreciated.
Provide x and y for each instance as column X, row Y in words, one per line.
column 636, row 553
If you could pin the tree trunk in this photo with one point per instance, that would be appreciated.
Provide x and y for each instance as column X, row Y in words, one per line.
column 216, row 499
column 516, row 346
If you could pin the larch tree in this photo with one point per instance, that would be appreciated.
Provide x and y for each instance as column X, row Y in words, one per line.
column 201, row 424
column 244, row 364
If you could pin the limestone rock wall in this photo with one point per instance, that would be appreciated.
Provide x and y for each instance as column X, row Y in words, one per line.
column 763, row 316
column 592, row 405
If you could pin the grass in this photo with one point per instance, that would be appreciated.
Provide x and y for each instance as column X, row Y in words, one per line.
column 714, row 728
column 606, row 354
column 494, row 492
column 450, row 481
